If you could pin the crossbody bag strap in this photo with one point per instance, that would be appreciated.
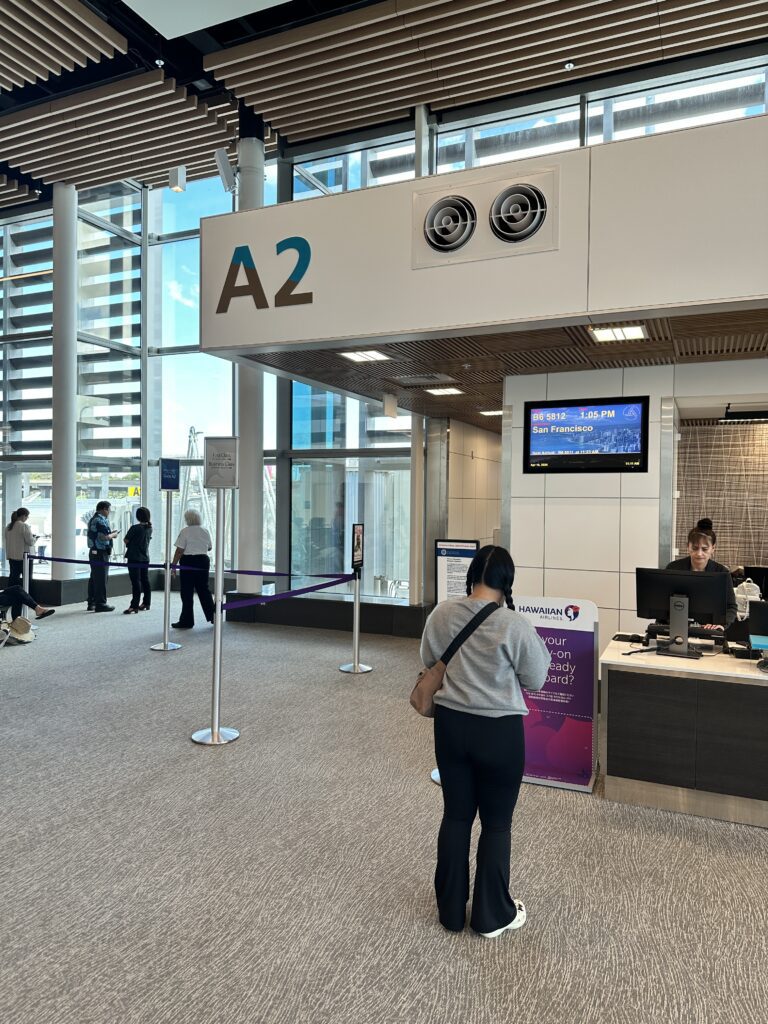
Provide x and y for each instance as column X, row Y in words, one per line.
column 468, row 630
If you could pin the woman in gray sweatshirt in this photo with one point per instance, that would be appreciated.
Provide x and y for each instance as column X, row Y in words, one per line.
column 479, row 741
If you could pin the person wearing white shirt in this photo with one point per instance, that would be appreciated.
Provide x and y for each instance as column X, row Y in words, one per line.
column 19, row 540
column 192, row 547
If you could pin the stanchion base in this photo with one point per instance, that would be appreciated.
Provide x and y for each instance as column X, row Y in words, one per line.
column 165, row 647
column 435, row 776
column 355, row 669
column 206, row 737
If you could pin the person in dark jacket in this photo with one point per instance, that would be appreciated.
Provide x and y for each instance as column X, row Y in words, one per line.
column 137, row 551
column 701, row 549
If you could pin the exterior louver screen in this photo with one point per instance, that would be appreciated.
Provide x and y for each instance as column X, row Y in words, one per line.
column 517, row 213
column 450, row 223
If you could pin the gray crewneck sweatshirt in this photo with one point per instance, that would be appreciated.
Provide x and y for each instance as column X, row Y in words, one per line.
column 485, row 675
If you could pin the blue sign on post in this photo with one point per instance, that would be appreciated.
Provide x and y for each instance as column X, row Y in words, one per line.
column 170, row 474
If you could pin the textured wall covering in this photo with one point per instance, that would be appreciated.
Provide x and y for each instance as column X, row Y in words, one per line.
column 723, row 473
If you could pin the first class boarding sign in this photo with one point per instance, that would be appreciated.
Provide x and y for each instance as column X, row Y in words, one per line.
column 561, row 724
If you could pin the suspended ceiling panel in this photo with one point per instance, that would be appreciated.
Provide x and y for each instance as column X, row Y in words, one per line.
column 174, row 18
column 40, row 38
column 477, row 364
column 137, row 127
column 372, row 65
column 12, row 193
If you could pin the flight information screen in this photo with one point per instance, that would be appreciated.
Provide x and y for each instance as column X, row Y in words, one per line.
column 587, row 436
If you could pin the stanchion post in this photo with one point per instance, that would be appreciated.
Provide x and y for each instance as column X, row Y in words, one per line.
column 166, row 644
column 219, row 452
column 25, row 581
column 355, row 666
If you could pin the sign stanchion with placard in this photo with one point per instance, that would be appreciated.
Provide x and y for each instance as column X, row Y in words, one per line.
column 561, row 725
column 357, row 561
column 221, row 474
column 170, row 476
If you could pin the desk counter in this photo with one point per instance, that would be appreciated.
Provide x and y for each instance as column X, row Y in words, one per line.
column 688, row 736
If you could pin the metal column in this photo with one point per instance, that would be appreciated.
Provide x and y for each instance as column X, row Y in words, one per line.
column 64, row 405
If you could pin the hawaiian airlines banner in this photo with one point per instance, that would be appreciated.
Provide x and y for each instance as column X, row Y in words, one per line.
column 561, row 726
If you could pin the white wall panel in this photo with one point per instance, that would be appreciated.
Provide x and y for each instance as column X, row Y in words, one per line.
column 585, row 384
column 656, row 239
column 600, row 587
column 694, row 380
column 583, row 485
column 582, row 533
column 639, row 533
column 524, row 485
column 455, row 475
column 528, row 581
column 527, row 522
column 645, row 485
column 608, row 624
column 627, row 592
column 519, row 390
column 629, row 622
column 655, row 381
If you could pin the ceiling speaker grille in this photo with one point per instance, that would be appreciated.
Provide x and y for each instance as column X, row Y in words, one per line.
column 450, row 223
column 517, row 213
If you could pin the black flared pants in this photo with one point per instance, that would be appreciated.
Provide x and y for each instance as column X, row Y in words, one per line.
column 481, row 763
column 195, row 581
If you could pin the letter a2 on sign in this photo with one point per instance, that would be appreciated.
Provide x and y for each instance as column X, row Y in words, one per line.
column 285, row 296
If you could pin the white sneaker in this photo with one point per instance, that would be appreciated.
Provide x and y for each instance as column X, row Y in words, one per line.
column 517, row 922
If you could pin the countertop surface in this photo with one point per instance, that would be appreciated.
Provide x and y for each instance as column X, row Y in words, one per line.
column 719, row 666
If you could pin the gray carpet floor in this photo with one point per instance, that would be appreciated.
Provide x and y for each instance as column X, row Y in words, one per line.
column 287, row 877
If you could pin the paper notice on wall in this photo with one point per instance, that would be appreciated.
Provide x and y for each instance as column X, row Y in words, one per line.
column 452, row 560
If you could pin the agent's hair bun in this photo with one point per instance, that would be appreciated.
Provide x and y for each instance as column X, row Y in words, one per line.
column 704, row 524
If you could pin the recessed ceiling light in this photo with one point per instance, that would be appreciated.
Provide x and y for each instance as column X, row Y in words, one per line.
column 632, row 333
column 368, row 356
column 492, row 412
column 443, row 391
column 569, row 65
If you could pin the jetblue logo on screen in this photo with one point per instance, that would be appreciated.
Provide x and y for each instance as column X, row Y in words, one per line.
column 242, row 261
column 571, row 611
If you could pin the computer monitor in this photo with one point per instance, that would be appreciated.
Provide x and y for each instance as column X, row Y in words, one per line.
column 759, row 575
column 679, row 595
column 758, row 625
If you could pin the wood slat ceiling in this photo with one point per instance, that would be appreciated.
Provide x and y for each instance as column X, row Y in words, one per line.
column 477, row 364
column 137, row 127
column 40, row 38
column 371, row 66
column 12, row 193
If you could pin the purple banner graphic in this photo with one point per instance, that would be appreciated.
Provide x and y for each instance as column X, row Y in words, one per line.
column 560, row 725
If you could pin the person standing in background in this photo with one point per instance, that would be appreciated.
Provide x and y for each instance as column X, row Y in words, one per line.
column 100, row 538
column 136, row 553
column 19, row 540
column 192, row 547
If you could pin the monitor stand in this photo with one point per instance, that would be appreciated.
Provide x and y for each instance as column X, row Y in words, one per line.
column 678, row 630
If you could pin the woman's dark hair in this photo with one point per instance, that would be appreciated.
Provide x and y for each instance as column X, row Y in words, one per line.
column 494, row 567
column 703, row 530
column 18, row 514
column 143, row 515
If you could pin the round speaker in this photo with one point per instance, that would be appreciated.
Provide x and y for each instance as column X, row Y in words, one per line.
column 517, row 213
column 450, row 223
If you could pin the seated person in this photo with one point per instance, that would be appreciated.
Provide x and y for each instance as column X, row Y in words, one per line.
column 701, row 548
column 15, row 597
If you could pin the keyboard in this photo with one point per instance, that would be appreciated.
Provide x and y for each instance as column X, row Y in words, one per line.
column 694, row 632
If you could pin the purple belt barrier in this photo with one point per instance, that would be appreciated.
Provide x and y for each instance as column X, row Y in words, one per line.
column 246, row 602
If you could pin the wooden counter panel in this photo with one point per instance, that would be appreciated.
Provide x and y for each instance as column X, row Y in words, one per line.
column 651, row 729
column 732, row 740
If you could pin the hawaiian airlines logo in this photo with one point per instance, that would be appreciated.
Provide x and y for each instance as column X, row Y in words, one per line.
column 242, row 260
column 571, row 611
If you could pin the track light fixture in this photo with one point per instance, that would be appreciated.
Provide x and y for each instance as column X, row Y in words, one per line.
column 177, row 179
